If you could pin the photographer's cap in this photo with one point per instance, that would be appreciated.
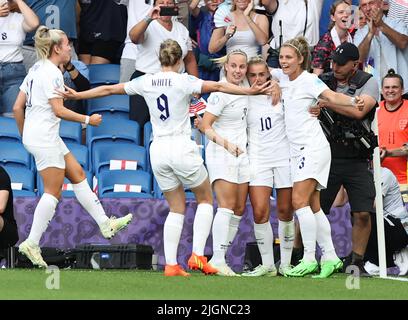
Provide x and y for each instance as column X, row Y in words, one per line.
column 345, row 52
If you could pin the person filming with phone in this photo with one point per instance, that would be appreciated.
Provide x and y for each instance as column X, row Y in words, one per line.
column 149, row 33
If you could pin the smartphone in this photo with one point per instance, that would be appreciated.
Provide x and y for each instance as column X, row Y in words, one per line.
column 169, row 11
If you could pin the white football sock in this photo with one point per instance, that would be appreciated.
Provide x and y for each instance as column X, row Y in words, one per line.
column 307, row 225
column 323, row 236
column 90, row 201
column 202, row 227
column 233, row 228
column 171, row 236
column 220, row 235
column 286, row 231
column 42, row 216
column 264, row 239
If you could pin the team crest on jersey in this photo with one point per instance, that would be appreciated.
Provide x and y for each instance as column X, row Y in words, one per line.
column 213, row 99
column 403, row 124
column 192, row 78
column 57, row 83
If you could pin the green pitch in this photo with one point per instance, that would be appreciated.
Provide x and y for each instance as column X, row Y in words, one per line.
column 139, row 285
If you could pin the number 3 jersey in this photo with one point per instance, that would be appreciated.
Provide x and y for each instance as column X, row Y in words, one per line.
column 41, row 125
column 167, row 95
column 268, row 145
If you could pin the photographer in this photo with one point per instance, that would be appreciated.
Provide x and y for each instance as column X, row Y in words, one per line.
column 352, row 143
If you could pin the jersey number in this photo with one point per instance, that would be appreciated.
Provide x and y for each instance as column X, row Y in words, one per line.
column 266, row 123
column 29, row 94
column 163, row 106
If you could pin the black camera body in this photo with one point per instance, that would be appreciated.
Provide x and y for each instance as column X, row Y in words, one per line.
column 169, row 11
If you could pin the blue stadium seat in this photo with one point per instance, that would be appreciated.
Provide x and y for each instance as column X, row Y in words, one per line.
column 80, row 152
column 13, row 154
column 107, row 180
column 70, row 131
column 159, row 194
column 147, row 139
column 101, row 74
column 24, row 176
column 147, row 134
column 9, row 130
column 115, row 106
column 65, row 193
column 105, row 151
column 113, row 130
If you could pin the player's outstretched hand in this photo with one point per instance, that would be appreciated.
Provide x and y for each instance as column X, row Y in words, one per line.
column 95, row 120
column 69, row 93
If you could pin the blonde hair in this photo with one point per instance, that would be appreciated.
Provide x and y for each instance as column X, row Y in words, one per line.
column 257, row 60
column 301, row 47
column 223, row 60
column 45, row 40
column 170, row 53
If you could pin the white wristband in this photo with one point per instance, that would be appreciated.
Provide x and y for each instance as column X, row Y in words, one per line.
column 87, row 119
column 353, row 101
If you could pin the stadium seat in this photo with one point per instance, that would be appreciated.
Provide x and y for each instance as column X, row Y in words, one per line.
column 9, row 130
column 67, row 191
column 159, row 194
column 147, row 134
column 115, row 106
column 70, row 131
column 80, row 152
column 24, row 176
column 113, row 130
column 147, row 139
column 105, row 151
column 101, row 74
column 108, row 179
column 13, row 154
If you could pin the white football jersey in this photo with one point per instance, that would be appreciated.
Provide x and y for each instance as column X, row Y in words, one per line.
column 41, row 125
column 231, row 112
column 303, row 129
column 168, row 96
column 267, row 141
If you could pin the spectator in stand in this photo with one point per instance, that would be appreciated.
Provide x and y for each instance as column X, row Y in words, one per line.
column 338, row 33
column 13, row 27
column 202, row 22
column 76, row 75
column 292, row 18
column 383, row 42
column 55, row 14
column 248, row 31
column 136, row 10
column 8, row 225
column 393, row 129
column 149, row 33
column 325, row 16
column 103, row 30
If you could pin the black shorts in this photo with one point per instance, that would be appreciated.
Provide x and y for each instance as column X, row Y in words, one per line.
column 358, row 181
column 100, row 48
column 9, row 234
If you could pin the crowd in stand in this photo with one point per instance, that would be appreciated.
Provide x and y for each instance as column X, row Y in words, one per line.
column 291, row 42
